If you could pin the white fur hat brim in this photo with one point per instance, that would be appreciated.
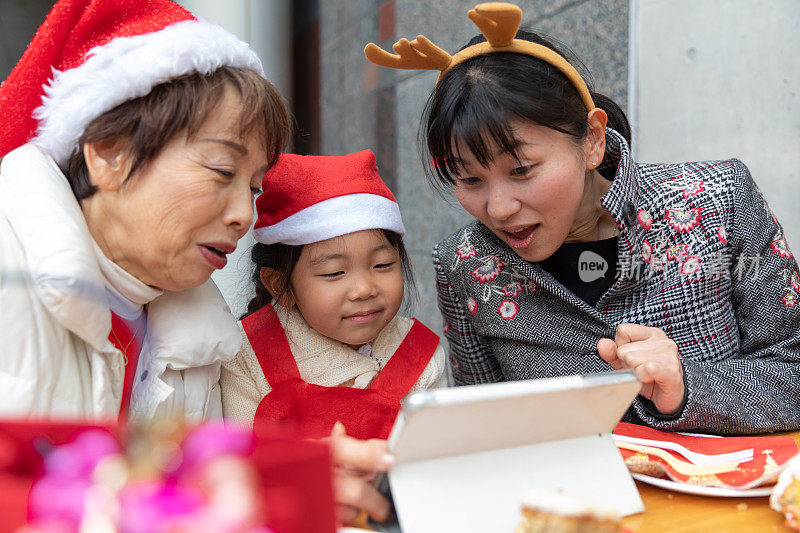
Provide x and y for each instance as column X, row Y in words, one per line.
column 127, row 68
column 334, row 217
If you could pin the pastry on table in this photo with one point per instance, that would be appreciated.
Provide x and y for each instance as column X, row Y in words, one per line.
column 556, row 512
column 785, row 496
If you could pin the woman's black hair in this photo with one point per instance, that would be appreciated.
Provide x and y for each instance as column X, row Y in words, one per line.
column 284, row 257
column 475, row 102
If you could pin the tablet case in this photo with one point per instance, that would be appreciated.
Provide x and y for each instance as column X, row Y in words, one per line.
column 467, row 456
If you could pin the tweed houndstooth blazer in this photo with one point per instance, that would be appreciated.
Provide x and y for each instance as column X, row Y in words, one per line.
column 701, row 256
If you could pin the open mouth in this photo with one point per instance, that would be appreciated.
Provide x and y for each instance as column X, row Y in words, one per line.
column 521, row 237
column 216, row 256
column 217, row 251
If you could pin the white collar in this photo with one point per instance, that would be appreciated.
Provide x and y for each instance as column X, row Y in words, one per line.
column 294, row 323
column 127, row 294
column 366, row 349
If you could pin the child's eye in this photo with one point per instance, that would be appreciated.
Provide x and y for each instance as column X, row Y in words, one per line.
column 333, row 274
column 382, row 266
column 469, row 180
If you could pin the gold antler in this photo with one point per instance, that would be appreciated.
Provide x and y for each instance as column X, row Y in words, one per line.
column 417, row 54
column 498, row 21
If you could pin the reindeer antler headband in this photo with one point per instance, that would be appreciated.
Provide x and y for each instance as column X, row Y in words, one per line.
column 498, row 21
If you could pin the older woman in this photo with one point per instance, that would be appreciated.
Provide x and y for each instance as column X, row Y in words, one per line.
column 126, row 180
column 580, row 260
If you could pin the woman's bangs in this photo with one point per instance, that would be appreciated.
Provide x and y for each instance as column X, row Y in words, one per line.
column 483, row 128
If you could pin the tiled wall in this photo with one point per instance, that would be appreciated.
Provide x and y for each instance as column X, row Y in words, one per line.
column 364, row 106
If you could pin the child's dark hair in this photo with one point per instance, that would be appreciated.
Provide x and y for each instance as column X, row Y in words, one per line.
column 476, row 100
column 283, row 258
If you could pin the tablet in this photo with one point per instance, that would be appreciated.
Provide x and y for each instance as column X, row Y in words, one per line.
column 477, row 418
column 466, row 456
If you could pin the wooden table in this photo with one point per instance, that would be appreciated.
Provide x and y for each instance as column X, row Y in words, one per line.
column 667, row 511
column 674, row 512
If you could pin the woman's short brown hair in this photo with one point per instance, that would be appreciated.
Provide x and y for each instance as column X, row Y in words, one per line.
column 182, row 105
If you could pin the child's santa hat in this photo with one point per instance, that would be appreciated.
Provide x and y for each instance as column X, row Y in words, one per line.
column 313, row 198
column 89, row 56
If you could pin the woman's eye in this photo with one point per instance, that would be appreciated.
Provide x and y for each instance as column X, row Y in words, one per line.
column 255, row 190
column 520, row 171
column 222, row 171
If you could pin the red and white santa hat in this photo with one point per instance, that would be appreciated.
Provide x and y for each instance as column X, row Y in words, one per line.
column 313, row 198
column 89, row 56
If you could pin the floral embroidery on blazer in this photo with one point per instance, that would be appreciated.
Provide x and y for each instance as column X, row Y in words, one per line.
column 701, row 256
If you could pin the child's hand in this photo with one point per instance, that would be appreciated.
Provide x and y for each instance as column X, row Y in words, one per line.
column 653, row 357
column 356, row 462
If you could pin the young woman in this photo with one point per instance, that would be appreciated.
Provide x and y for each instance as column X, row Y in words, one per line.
column 581, row 260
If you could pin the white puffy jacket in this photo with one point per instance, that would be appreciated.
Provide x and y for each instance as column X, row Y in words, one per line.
column 55, row 356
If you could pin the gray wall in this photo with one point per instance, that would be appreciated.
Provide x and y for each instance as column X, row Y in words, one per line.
column 364, row 106
column 725, row 85
column 19, row 20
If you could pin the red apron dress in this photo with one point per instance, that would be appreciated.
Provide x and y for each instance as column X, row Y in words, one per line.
column 312, row 410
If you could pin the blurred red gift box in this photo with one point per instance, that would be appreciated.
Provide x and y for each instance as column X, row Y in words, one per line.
column 295, row 474
column 22, row 445
column 296, row 477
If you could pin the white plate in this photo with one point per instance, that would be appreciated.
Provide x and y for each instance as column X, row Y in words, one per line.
column 703, row 491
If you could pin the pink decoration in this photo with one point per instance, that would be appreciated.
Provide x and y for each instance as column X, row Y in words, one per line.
column 694, row 189
column 683, row 219
column 59, row 495
column 489, row 270
column 512, row 288
column 465, row 252
column 780, row 246
column 212, row 440
column 213, row 489
column 690, row 265
column 472, row 305
column 676, row 252
column 508, row 309
column 722, row 234
column 645, row 219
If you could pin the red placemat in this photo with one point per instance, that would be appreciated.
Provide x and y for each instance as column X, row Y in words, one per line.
column 770, row 453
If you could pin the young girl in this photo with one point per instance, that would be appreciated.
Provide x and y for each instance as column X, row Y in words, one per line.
column 322, row 342
column 581, row 260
